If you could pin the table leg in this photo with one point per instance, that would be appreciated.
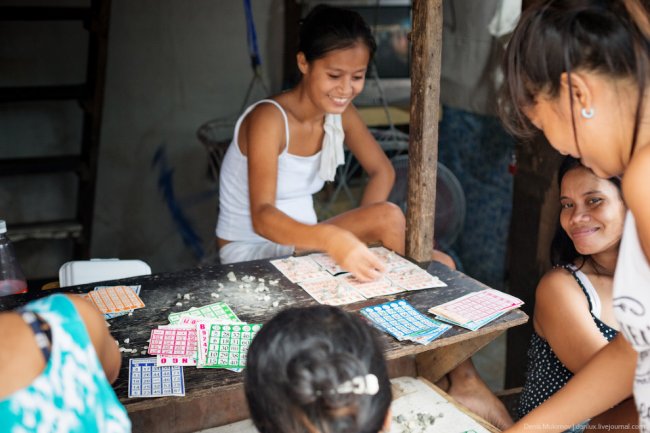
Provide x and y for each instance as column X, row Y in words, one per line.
column 434, row 364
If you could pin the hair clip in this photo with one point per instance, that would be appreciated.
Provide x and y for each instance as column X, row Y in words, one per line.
column 368, row 384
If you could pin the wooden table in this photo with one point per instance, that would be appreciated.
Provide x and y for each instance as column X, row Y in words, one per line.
column 215, row 397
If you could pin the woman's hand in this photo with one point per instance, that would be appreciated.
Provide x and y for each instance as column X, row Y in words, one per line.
column 354, row 256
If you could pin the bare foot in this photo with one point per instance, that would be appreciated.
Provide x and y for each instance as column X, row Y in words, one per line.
column 468, row 389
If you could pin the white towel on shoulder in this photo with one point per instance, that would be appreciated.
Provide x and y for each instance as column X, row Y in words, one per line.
column 332, row 152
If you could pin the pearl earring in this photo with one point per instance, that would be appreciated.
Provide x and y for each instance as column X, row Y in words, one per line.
column 588, row 114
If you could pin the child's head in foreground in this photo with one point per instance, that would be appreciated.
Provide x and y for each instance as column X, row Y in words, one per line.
column 317, row 370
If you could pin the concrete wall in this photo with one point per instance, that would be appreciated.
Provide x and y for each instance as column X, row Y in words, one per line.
column 172, row 65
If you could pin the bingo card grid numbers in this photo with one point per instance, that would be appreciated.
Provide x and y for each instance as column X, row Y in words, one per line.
column 331, row 291
column 115, row 299
column 217, row 311
column 398, row 318
column 109, row 316
column 411, row 277
column 327, row 263
column 228, row 345
column 148, row 380
column 298, row 269
column 180, row 342
column 380, row 287
column 477, row 306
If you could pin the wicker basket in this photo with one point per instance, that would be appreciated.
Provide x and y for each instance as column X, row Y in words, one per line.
column 216, row 135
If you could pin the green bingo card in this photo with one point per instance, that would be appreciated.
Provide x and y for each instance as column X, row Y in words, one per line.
column 219, row 311
column 228, row 345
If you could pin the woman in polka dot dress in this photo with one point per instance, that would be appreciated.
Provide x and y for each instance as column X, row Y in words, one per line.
column 574, row 315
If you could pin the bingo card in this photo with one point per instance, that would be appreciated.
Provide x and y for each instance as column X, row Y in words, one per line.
column 472, row 326
column 148, row 380
column 107, row 316
column 173, row 341
column 326, row 262
column 218, row 311
column 411, row 277
column 331, row 291
column 115, row 299
column 399, row 318
column 370, row 289
column 390, row 258
column 228, row 344
column 477, row 306
column 298, row 269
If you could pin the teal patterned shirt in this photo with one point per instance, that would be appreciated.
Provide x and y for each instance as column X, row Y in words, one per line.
column 72, row 394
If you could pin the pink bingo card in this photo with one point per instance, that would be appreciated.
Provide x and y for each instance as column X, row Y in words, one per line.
column 477, row 306
column 326, row 262
column 202, row 327
column 187, row 361
column 115, row 299
column 298, row 269
column 179, row 342
column 390, row 258
column 380, row 287
column 331, row 291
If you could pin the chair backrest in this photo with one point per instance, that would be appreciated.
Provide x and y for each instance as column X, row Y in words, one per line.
column 94, row 270
column 450, row 200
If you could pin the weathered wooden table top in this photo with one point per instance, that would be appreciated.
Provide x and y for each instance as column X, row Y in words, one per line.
column 162, row 292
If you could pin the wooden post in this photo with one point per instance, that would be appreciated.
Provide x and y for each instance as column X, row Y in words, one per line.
column 535, row 209
column 426, row 39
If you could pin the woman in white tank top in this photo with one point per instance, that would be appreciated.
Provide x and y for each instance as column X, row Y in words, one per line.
column 285, row 148
column 579, row 72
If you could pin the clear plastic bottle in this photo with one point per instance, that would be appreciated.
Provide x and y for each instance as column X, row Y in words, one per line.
column 12, row 279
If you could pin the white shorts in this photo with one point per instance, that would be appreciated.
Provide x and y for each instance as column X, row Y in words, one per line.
column 242, row 251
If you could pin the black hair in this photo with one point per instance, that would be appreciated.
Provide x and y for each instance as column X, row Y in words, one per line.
column 297, row 362
column 558, row 36
column 563, row 251
column 328, row 28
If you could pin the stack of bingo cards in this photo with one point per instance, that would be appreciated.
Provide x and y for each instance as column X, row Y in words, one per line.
column 210, row 336
column 114, row 301
column 476, row 309
column 329, row 284
column 401, row 320
column 108, row 316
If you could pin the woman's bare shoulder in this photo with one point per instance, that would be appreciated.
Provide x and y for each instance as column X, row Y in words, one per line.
column 556, row 284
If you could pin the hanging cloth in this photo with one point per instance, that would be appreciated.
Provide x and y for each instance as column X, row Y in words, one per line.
column 251, row 36
column 332, row 152
column 254, row 54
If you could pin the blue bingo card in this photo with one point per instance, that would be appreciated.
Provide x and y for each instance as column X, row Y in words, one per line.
column 428, row 335
column 399, row 319
column 148, row 380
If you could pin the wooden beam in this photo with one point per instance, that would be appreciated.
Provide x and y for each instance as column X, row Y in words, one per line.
column 434, row 364
column 535, row 210
column 426, row 39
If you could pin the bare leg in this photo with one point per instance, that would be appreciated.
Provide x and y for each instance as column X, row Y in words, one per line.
column 465, row 385
column 620, row 418
column 443, row 258
column 468, row 389
column 379, row 222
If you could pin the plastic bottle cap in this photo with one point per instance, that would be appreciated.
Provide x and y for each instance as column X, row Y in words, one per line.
column 3, row 226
